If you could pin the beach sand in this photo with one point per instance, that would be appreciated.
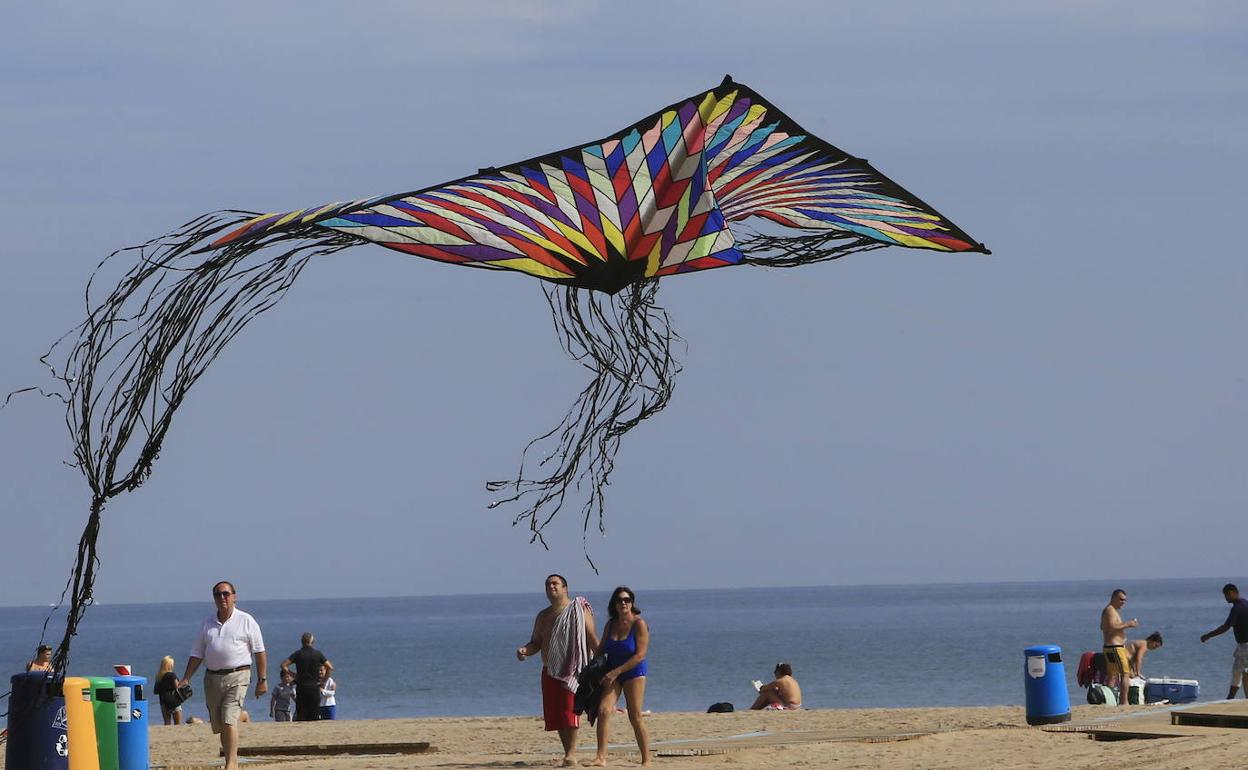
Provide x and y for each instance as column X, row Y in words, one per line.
column 995, row 737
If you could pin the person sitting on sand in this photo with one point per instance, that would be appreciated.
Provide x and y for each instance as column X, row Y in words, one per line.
column 43, row 659
column 782, row 693
column 1139, row 648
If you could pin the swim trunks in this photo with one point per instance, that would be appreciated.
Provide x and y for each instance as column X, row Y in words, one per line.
column 1116, row 660
column 558, row 704
column 620, row 650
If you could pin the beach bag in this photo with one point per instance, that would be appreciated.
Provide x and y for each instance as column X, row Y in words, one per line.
column 1102, row 694
column 720, row 708
column 1135, row 692
column 179, row 696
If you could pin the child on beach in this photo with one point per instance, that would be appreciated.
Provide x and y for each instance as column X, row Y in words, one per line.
column 165, row 691
column 329, row 704
column 283, row 697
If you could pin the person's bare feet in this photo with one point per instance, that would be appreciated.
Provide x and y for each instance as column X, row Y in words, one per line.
column 598, row 762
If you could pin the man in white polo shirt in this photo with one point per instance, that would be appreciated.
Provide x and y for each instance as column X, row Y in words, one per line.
column 225, row 644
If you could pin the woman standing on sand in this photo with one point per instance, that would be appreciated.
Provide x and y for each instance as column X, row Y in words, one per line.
column 625, row 641
column 165, row 690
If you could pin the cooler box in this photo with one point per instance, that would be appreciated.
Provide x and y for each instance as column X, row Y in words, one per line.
column 1173, row 690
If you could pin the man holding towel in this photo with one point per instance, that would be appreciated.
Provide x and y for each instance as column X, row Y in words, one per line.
column 564, row 634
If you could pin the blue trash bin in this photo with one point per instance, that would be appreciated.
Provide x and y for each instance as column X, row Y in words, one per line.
column 1048, row 701
column 131, row 700
column 37, row 724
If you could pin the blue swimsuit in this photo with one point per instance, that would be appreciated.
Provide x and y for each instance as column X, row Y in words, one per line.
column 620, row 650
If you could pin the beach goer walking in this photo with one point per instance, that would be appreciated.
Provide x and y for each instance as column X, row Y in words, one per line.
column 625, row 641
column 564, row 634
column 307, row 661
column 42, row 660
column 225, row 644
column 1238, row 620
column 329, row 690
column 166, row 691
column 780, row 694
column 281, row 704
column 1114, row 631
column 1137, row 649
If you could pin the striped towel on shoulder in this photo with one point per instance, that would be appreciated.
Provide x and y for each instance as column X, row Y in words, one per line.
column 567, row 650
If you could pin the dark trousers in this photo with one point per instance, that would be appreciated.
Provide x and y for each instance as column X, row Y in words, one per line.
column 307, row 702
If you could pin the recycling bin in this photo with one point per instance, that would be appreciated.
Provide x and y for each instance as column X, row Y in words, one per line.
column 131, row 702
column 104, row 707
column 80, row 718
column 37, row 739
column 1048, row 701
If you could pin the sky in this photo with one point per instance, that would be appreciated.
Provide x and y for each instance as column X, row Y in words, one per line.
column 1072, row 406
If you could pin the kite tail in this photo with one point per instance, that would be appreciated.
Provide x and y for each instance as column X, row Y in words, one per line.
column 126, row 369
column 771, row 250
column 625, row 340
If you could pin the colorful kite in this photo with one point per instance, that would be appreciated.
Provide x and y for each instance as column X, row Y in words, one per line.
column 676, row 192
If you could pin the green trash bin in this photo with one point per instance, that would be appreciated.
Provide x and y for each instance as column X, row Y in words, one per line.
column 103, row 703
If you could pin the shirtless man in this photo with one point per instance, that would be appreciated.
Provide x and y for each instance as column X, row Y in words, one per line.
column 558, row 702
column 1114, row 631
column 782, row 693
column 1139, row 648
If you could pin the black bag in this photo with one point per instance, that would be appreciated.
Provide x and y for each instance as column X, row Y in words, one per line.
column 179, row 696
column 589, row 688
column 722, row 707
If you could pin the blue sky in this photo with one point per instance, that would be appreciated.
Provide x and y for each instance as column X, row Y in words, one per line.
column 1070, row 407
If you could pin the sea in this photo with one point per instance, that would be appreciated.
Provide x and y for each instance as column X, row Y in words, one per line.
column 849, row 646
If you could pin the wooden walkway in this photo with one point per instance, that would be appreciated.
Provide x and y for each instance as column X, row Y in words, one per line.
column 707, row 746
column 1196, row 719
column 252, row 756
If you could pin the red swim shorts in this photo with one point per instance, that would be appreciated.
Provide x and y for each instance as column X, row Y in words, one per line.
column 558, row 704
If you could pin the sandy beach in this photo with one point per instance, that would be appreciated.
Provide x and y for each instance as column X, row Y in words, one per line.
column 995, row 737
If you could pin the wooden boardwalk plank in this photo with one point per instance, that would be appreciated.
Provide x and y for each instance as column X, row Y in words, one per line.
column 331, row 749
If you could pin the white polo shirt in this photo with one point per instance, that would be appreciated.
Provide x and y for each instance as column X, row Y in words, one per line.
column 230, row 644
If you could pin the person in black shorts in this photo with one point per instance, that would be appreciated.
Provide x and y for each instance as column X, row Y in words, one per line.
column 307, row 661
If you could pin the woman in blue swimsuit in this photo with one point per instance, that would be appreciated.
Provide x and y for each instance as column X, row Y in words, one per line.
column 625, row 641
